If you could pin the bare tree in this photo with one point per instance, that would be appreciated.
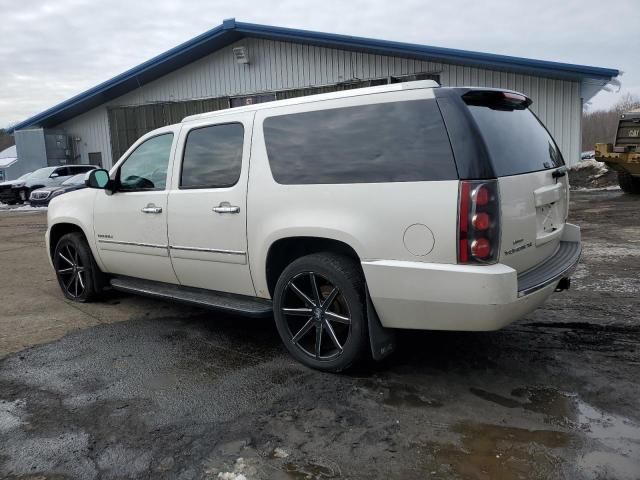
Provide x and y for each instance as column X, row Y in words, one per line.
column 6, row 140
column 627, row 102
column 600, row 126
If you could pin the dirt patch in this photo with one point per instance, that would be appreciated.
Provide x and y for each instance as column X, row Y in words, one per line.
column 133, row 388
column 592, row 174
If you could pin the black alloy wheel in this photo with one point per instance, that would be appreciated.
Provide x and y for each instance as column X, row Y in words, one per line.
column 76, row 271
column 319, row 310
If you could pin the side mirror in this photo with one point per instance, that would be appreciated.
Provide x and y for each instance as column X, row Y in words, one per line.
column 54, row 175
column 98, row 178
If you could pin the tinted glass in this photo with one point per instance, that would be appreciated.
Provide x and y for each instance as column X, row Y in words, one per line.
column 213, row 156
column 81, row 168
column 386, row 142
column 146, row 167
column 75, row 180
column 516, row 140
column 42, row 173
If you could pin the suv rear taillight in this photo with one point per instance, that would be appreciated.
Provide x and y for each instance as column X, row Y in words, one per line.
column 478, row 221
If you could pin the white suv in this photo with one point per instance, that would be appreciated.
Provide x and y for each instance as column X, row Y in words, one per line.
column 344, row 215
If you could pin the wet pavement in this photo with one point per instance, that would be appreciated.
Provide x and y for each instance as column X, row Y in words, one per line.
column 147, row 389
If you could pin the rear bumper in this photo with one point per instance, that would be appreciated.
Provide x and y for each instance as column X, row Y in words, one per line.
column 557, row 267
column 430, row 296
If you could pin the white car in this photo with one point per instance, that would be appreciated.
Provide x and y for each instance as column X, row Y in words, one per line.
column 344, row 215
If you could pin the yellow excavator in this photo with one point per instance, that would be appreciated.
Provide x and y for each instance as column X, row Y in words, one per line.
column 623, row 156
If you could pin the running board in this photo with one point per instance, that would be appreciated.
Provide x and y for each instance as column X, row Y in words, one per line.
column 227, row 302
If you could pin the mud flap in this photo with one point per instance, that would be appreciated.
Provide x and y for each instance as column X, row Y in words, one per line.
column 382, row 340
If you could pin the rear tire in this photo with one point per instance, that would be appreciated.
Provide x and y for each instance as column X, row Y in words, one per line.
column 78, row 274
column 320, row 311
column 628, row 183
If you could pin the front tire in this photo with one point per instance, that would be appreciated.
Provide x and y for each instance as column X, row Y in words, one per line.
column 78, row 275
column 320, row 312
column 629, row 183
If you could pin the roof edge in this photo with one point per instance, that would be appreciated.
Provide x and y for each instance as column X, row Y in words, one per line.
column 334, row 40
column 340, row 39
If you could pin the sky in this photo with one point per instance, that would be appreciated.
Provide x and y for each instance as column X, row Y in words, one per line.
column 50, row 51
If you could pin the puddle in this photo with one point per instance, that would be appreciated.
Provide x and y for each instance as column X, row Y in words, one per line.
column 557, row 408
column 500, row 452
column 399, row 395
column 611, row 443
column 309, row 471
column 617, row 451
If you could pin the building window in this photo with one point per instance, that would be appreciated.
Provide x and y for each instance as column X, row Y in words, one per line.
column 95, row 158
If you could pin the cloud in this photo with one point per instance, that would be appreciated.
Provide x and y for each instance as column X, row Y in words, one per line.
column 50, row 51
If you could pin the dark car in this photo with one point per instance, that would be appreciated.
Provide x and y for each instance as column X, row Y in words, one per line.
column 20, row 190
column 10, row 190
column 42, row 196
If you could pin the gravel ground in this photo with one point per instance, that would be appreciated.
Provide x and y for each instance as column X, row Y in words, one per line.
column 135, row 388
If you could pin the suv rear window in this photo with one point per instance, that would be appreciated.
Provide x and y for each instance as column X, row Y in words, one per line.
column 517, row 141
column 385, row 142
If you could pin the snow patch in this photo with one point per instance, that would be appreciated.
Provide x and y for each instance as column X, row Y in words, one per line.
column 241, row 471
column 601, row 189
column 231, row 476
column 280, row 453
column 11, row 414
column 22, row 208
column 599, row 168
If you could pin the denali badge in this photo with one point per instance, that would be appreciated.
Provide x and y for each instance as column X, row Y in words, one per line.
column 518, row 249
column 100, row 235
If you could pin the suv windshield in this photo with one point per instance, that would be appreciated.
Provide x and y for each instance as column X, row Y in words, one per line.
column 517, row 141
column 75, row 180
column 42, row 173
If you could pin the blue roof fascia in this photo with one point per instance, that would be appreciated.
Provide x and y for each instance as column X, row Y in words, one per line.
column 231, row 30
column 99, row 92
column 425, row 51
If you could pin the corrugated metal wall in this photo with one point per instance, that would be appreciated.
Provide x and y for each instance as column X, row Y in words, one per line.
column 90, row 133
column 276, row 66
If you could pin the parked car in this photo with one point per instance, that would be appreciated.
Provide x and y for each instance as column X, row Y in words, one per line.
column 43, row 177
column 9, row 190
column 362, row 211
column 42, row 196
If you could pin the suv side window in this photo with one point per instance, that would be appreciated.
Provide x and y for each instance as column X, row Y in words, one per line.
column 146, row 167
column 80, row 169
column 212, row 156
column 384, row 142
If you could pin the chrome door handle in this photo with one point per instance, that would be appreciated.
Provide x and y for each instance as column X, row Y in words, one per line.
column 226, row 207
column 151, row 208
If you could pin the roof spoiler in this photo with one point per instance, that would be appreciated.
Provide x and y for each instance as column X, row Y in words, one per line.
column 497, row 99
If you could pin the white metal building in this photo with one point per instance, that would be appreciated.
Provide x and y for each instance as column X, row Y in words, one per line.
column 238, row 63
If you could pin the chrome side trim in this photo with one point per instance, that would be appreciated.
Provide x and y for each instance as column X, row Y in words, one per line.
column 135, row 244
column 209, row 250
